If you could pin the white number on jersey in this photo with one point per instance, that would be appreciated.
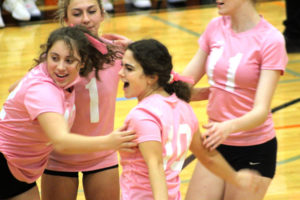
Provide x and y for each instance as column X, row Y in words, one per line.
column 94, row 102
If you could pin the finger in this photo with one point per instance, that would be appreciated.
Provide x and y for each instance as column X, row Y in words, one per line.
column 123, row 127
column 207, row 126
column 128, row 150
column 128, row 133
column 214, row 146
column 128, row 145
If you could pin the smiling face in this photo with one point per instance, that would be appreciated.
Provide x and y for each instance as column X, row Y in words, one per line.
column 62, row 66
column 136, row 83
column 86, row 13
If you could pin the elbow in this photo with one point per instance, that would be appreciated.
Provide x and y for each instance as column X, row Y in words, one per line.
column 262, row 115
column 60, row 146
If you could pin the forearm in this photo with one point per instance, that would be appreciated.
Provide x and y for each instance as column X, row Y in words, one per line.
column 158, row 181
column 199, row 94
column 250, row 120
column 213, row 161
column 78, row 144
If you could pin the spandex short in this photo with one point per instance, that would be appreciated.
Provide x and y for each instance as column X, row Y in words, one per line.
column 75, row 174
column 261, row 158
column 10, row 186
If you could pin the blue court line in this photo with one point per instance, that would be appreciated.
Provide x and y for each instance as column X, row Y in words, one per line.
column 124, row 99
column 289, row 81
column 294, row 158
column 292, row 72
column 175, row 26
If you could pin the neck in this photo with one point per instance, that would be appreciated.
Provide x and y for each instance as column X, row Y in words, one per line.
column 245, row 18
column 157, row 90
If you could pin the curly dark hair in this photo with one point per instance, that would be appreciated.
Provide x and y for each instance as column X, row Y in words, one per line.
column 76, row 40
column 155, row 59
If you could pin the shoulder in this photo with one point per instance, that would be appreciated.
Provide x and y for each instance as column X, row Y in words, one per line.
column 270, row 33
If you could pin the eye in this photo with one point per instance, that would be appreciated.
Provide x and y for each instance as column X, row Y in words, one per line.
column 76, row 14
column 128, row 68
column 70, row 60
column 92, row 11
column 54, row 58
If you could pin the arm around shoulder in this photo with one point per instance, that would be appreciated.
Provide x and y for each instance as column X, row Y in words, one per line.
column 56, row 128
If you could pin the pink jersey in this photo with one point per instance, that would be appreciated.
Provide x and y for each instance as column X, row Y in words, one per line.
column 95, row 108
column 170, row 121
column 233, row 68
column 22, row 140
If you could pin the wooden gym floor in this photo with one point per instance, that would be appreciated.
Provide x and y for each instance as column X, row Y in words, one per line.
column 179, row 31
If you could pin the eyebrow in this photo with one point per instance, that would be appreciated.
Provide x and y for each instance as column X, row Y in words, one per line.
column 79, row 9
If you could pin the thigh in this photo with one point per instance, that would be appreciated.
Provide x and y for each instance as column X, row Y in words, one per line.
column 102, row 184
column 204, row 185
column 31, row 194
column 233, row 193
column 10, row 186
column 59, row 187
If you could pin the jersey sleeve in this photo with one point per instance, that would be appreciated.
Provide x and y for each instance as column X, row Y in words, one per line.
column 204, row 39
column 274, row 56
column 41, row 98
column 146, row 126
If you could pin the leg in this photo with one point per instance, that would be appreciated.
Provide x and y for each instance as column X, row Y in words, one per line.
column 59, row 187
column 204, row 185
column 32, row 194
column 102, row 185
column 233, row 193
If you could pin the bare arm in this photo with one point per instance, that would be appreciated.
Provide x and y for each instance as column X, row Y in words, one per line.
column 152, row 153
column 199, row 94
column 65, row 142
column 265, row 90
column 215, row 162
column 196, row 70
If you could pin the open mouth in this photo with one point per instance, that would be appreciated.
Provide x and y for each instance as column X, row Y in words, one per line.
column 126, row 84
column 61, row 75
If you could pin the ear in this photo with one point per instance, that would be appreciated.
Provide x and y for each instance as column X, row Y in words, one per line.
column 152, row 79
column 66, row 21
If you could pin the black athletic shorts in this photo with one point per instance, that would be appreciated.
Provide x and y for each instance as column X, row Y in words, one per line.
column 75, row 174
column 10, row 186
column 261, row 158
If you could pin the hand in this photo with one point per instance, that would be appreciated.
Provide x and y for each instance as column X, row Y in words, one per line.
column 215, row 134
column 247, row 179
column 123, row 140
column 118, row 40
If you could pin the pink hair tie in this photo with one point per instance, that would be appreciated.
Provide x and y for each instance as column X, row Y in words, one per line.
column 176, row 77
column 100, row 46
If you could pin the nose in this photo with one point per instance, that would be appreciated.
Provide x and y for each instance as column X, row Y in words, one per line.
column 121, row 72
column 60, row 66
column 85, row 17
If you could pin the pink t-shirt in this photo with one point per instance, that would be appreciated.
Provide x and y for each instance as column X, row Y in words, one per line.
column 233, row 68
column 95, row 109
column 170, row 121
column 22, row 140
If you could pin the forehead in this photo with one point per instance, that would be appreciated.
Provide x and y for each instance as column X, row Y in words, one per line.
column 62, row 48
column 129, row 59
column 82, row 4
